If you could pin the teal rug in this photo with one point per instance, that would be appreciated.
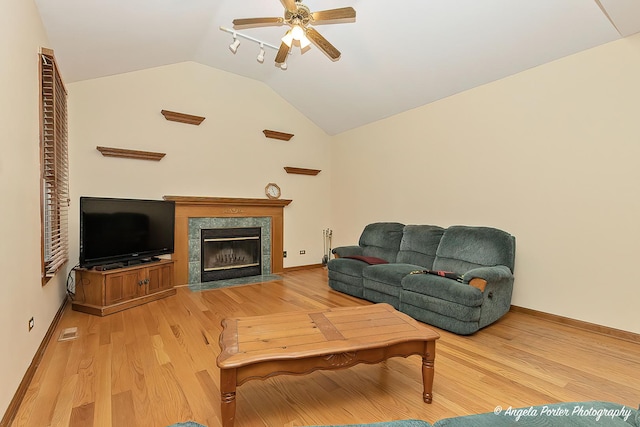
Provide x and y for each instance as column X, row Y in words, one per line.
column 218, row 284
column 401, row 423
column 187, row 424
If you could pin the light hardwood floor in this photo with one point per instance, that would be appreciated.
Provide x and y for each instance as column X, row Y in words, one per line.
column 154, row 365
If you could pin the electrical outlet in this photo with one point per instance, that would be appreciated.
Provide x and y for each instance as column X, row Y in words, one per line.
column 302, row 252
column 32, row 323
column 284, row 254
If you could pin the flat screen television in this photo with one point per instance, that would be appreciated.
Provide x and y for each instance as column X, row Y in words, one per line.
column 126, row 231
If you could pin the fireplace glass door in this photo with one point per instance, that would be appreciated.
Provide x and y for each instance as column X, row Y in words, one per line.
column 229, row 253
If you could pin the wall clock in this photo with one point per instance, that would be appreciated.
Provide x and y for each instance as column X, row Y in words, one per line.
column 272, row 191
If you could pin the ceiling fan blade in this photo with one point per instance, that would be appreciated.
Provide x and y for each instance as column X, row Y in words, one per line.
column 281, row 56
column 290, row 5
column 257, row 22
column 323, row 44
column 334, row 14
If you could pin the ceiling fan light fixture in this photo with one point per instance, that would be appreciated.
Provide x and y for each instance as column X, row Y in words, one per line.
column 288, row 38
column 283, row 66
column 297, row 32
column 304, row 42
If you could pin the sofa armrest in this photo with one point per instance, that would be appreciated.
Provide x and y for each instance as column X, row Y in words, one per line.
column 479, row 277
column 343, row 251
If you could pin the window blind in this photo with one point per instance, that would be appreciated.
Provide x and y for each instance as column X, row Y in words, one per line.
column 55, row 167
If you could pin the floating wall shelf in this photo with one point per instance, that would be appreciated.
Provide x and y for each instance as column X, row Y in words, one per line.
column 301, row 171
column 130, row 154
column 182, row 118
column 277, row 135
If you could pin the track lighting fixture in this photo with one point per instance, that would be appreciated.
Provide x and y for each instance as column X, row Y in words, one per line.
column 233, row 47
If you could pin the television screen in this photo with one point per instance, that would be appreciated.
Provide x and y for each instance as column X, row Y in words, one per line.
column 124, row 230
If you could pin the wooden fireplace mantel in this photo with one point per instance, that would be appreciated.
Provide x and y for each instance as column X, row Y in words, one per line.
column 225, row 207
column 225, row 201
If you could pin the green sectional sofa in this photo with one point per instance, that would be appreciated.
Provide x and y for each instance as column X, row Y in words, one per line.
column 383, row 266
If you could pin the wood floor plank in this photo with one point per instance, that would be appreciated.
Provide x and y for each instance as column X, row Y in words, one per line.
column 82, row 416
column 49, row 390
column 86, row 369
column 138, row 385
column 155, row 365
column 122, row 410
column 62, row 412
column 122, row 374
column 102, row 409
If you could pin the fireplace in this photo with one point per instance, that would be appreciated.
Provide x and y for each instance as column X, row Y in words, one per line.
column 229, row 253
column 196, row 213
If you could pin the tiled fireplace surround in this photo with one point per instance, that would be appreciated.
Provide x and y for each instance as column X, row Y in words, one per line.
column 213, row 212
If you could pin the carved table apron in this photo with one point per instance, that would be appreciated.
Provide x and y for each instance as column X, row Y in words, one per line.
column 298, row 343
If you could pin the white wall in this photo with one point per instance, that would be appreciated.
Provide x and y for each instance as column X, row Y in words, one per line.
column 21, row 292
column 225, row 156
column 550, row 155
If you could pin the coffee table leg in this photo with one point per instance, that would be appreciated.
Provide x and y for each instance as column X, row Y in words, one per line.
column 428, row 370
column 228, row 396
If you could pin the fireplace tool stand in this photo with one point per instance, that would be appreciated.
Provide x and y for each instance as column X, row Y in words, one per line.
column 327, row 234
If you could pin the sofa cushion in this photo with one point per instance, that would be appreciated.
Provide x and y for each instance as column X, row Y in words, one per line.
column 345, row 275
column 443, row 288
column 381, row 240
column 386, row 278
column 419, row 245
column 463, row 248
column 348, row 266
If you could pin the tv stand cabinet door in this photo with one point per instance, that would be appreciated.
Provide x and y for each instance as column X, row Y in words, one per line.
column 160, row 278
column 123, row 286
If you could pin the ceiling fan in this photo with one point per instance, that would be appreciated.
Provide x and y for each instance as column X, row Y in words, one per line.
column 299, row 18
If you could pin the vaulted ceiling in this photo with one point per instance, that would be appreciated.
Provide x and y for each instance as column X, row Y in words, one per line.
column 397, row 55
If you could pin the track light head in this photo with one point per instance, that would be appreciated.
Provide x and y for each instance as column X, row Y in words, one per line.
column 260, row 57
column 233, row 47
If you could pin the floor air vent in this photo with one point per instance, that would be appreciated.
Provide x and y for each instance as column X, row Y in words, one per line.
column 68, row 334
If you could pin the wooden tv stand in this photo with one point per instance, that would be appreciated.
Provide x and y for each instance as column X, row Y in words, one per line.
column 106, row 292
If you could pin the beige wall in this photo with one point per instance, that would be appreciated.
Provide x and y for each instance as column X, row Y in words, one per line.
column 226, row 156
column 21, row 293
column 550, row 155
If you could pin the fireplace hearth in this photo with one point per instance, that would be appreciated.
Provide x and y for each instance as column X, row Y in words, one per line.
column 229, row 253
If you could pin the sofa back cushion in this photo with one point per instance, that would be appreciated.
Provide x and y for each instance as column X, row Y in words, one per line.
column 381, row 240
column 463, row 248
column 419, row 245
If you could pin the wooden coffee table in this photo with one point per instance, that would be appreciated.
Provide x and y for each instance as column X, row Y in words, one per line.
column 298, row 343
